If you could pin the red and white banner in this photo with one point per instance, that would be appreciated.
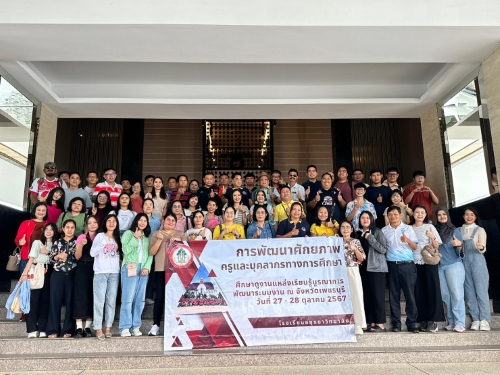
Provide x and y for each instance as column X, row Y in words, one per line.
column 221, row 294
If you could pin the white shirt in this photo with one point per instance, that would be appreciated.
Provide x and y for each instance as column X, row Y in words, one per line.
column 423, row 240
column 398, row 250
column 125, row 218
column 208, row 234
column 296, row 189
column 105, row 254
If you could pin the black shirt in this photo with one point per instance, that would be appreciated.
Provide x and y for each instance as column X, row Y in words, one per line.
column 286, row 226
column 314, row 186
column 204, row 196
column 329, row 199
column 372, row 194
column 245, row 195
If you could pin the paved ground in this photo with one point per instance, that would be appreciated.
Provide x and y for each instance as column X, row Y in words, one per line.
column 375, row 369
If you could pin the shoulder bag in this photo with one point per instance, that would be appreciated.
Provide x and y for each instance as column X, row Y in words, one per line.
column 14, row 260
column 430, row 255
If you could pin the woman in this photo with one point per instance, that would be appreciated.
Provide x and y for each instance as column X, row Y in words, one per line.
column 242, row 211
column 451, row 271
column 198, row 232
column 183, row 223
column 354, row 255
column 397, row 200
column 194, row 185
column 294, row 226
column 36, row 320
column 427, row 288
column 83, row 304
column 212, row 220
column 106, row 250
column 62, row 281
column 324, row 225
column 476, row 272
column 134, row 275
column 76, row 212
column 55, row 204
column 261, row 200
column 137, row 198
column 124, row 213
column 103, row 207
column 229, row 230
column 155, row 224
column 160, row 198
column 193, row 205
column 29, row 231
column 157, row 248
column 373, row 271
column 260, row 227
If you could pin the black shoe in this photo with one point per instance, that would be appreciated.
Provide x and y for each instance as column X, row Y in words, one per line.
column 432, row 327
column 88, row 332
column 423, row 326
column 79, row 333
column 413, row 329
column 396, row 328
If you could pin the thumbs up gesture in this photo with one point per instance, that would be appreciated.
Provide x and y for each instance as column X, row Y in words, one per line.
column 299, row 197
column 379, row 199
column 159, row 235
column 212, row 194
column 317, row 197
column 429, row 234
column 456, row 242
column 340, row 198
column 22, row 241
column 404, row 238
column 308, row 191
column 84, row 242
column 479, row 245
column 137, row 233
column 295, row 231
column 258, row 233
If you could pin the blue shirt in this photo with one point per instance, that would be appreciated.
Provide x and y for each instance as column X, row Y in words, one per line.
column 154, row 223
column 266, row 232
column 450, row 253
column 286, row 226
column 398, row 250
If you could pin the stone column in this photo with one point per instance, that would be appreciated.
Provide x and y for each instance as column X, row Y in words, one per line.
column 46, row 143
column 491, row 71
column 433, row 154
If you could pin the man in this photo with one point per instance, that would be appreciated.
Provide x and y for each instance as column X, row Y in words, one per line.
column 223, row 183
column 126, row 186
column 42, row 186
column 250, row 181
column 298, row 191
column 343, row 184
column 327, row 196
column 282, row 210
column 391, row 181
column 420, row 195
column 358, row 176
column 311, row 187
column 74, row 190
column 110, row 186
column 64, row 176
column 379, row 195
column 246, row 195
column 91, row 183
column 208, row 191
column 276, row 180
column 148, row 183
column 358, row 205
column 171, row 185
column 401, row 242
column 182, row 193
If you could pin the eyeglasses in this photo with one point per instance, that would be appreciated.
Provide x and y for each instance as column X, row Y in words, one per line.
column 292, row 176
column 110, row 174
column 102, row 197
column 50, row 168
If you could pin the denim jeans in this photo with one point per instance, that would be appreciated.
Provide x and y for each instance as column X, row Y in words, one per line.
column 451, row 279
column 22, row 266
column 133, row 295
column 105, row 290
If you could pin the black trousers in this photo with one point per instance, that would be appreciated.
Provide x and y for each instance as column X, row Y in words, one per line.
column 150, row 286
column 428, row 294
column 83, row 301
column 159, row 277
column 374, row 296
column 37, row 319
column 61, row 289
column 402, row 277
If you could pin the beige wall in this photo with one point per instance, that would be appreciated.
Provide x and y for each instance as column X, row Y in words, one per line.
column 491, row 71
column 46, row 141
column 433, row 154
column 298, row 143
column 173, row 147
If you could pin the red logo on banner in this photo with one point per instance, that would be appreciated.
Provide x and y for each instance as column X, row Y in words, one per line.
column 181, row 256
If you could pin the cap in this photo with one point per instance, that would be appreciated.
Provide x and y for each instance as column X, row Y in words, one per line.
column 50, row 164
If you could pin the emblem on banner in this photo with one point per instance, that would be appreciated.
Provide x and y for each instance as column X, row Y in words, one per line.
column 181, row 256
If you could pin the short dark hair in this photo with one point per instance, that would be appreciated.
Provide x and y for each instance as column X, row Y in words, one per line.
column 375, row 170
column 193, row 215
column 208, row 174
column 148, row 199
column 392, row 169
column 276, row 171
column 393, row 208
column 426, row 218
column 236, row 174
column 283, row 187
column 69, row 221
column 342, row 166
column 108, row 169
column 135, row 222
column 194, row 196
column 249, row 175
column 350, row 224
column 78, row 174
column 172, row 178
column 224, row 174
column 179, row 177
column 311, row 166
column 316, row 219
column 61, row 173
column 372, row 219
column 418, row 173
column 148, row 177
column 94, row 172
column 359, row 185
column 358, row 170
column 326, row 174
column 293, row 170
column 397, row 191
column 254, row 216
column 84, row 208
column 170, row 213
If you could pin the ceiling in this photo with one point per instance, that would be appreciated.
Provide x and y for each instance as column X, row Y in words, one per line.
column 244, row 60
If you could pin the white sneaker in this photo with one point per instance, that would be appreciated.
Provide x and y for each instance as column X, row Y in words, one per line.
column 358, row 331
column 42, row 335
column 459, row 329
column 125, row 333
column 475, row 325
column 449, row 327
column 154, row 330
column 33, row 335
column 137, row 332
column 484, row 325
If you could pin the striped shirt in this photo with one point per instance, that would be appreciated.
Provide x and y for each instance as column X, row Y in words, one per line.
column 184, row 198
column 114, row 192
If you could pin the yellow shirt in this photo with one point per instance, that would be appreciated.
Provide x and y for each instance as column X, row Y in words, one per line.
column 321, row 230
column 229, row 236
column 280, row 213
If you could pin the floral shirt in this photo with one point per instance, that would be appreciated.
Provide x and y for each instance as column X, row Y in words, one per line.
column 367, row 206
column 350, row 256
column 60, row 246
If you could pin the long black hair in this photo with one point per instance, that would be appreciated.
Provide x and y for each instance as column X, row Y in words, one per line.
column 119, row 206
column 258, row 207
column 474, row 211
column 116, row 231
column 163, row 194
column 55, row 237
column 108, row 207
column 60, row 202
column 317, row 220
column 135, row 223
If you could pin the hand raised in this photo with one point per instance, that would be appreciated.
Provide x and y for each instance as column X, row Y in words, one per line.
column 43, row 250
column 94, row 209
column 295, row 231
column 456, row 242
column 22, row 241
column 138, row 233
column 318, row 197
column 258, row 233
column 380, row 199
column 308, row 191
column 159, row 235
column 479, row 245
column 429, row 233
column 212, row 194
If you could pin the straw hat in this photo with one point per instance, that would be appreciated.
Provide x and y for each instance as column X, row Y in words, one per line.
column 263, row 174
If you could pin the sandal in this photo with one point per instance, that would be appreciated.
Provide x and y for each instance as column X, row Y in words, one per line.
column 377, row 329
column 67, row 335
column 109, row 334
column 53, row 336
column 100, row 335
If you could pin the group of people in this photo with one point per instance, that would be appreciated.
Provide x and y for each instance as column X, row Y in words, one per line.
column 93, row 240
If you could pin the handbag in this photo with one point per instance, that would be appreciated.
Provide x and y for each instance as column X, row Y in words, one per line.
column 430, row 255
column 16, row 304
column 36, row 276
column 14, row 260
